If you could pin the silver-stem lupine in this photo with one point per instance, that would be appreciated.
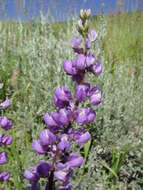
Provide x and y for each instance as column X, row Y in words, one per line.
column 56, row 138
column 5, row 140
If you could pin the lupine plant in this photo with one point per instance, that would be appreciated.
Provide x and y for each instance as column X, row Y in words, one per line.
column 5, row 140
column 66, row 123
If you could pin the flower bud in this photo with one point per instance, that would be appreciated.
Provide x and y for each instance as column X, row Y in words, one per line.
column 88, row 13
column 80, row 27
column 82, row 14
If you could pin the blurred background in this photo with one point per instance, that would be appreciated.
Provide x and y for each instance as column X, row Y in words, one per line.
column 61, row 10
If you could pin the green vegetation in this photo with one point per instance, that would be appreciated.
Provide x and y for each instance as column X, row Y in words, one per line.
column 31, row 60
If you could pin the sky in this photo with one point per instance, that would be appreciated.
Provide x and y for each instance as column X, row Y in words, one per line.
column 60, row 10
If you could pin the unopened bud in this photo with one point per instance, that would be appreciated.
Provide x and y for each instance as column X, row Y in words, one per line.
column 88, row 13
column 82, row 14
column 80, row 26
column 86, row 26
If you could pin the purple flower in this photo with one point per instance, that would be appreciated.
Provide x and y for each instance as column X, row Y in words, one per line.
column 90, row 115
column 64, row 116
column 47, row 138
column 74, row 160
column 43, row 169
column 76, row 42
column 80, row 63
column 95, row 96
column 62, row 97
column 35, row 186
column 81, row 91
column 82, row 138
column 68, row 67
column 56, row 140
column 88, row 43
column 3, row 158
column 78, row 77
column 5, row 140
column 61, row 175
column 92, row 35
column 38, row 147
column 4, row 176
column 49, row 120
column 65, row 187
column 5, row 104
column 5, row 123
column 64, row 144
column 31, row 174
column 84, row 116
column 96, row 68
column 90, row 60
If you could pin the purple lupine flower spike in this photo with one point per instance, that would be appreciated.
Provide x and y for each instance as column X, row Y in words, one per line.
column 56, row 140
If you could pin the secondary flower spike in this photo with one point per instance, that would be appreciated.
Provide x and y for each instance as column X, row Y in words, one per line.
column 65, row 125
column 5, row 140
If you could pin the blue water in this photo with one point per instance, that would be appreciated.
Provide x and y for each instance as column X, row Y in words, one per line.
column 59, row 10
